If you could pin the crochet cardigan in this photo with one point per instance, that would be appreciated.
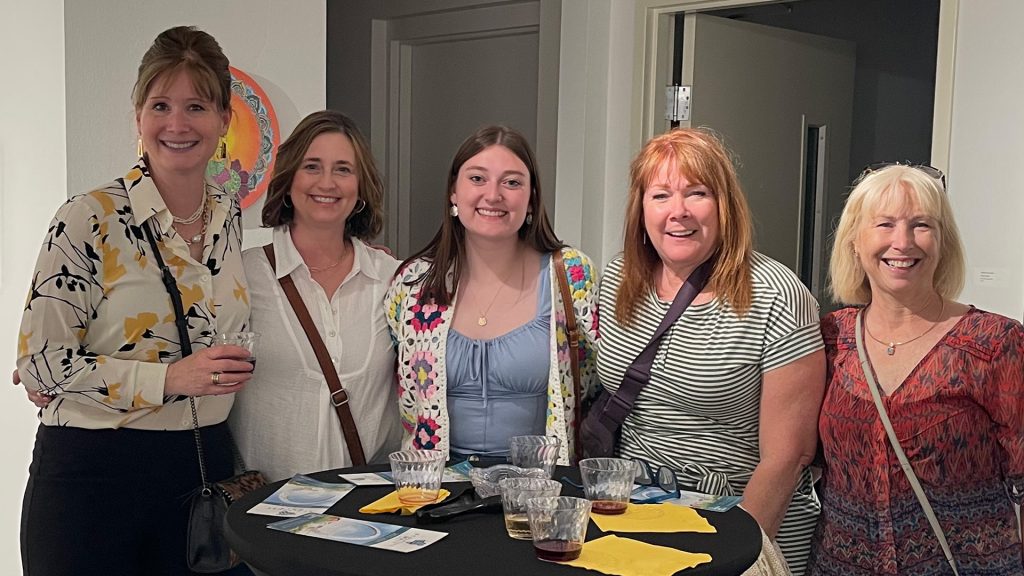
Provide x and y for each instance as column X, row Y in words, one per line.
column 420, row 333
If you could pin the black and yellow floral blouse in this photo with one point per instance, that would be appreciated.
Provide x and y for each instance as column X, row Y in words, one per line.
column 98, row 330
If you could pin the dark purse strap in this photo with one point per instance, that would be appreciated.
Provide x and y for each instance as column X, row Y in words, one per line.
column 573, row 335
column 639, row 372
column 186, row 344
column 339, row 397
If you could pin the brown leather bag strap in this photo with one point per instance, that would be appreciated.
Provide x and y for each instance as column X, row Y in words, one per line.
column 574, row 344
column 339, row 397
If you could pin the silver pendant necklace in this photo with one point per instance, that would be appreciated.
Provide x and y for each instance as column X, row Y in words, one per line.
column 892, row 344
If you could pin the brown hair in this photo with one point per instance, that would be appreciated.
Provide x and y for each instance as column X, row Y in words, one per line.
column 187, row 49
column 446, row 252
column 700, row 156
column 365, row 224
column 894, row 187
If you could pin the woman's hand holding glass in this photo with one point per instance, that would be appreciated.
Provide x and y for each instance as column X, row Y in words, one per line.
column 220, row 369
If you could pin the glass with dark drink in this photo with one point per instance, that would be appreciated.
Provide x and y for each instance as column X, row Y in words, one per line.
column 607, row 482
column 247, row 340
column 558, row 525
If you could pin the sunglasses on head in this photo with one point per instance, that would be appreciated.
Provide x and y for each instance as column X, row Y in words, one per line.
column 931, row 171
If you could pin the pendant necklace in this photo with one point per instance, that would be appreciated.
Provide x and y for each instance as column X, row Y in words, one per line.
column 482, row 319
column 202, row 231
column 891, row 345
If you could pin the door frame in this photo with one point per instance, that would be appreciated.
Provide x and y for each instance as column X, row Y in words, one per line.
column 392, row 42
column 653, row 46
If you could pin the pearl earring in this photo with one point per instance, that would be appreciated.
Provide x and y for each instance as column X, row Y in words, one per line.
column 454, row 211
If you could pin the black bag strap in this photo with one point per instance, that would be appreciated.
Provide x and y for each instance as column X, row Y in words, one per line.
column 186, row 349
column 638, row 373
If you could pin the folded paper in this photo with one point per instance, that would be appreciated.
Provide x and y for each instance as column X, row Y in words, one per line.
column 654, row 518
column 627, row 557
column 391, row 503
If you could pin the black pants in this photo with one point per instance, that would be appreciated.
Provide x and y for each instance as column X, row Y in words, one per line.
column 114, row 502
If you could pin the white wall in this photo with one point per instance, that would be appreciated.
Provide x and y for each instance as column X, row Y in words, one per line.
column 32, row 180
column 596, row 139
column 987, row 152
column 282, row 45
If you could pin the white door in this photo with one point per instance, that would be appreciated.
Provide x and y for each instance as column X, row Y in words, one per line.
column 439, row 77
column 782, row 101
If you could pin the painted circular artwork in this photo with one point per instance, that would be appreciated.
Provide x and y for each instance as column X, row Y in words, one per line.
column 252, row 141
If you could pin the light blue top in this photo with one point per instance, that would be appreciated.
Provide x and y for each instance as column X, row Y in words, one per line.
column 497, row 388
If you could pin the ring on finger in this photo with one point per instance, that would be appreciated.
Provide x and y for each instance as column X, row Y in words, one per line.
column 215, row 378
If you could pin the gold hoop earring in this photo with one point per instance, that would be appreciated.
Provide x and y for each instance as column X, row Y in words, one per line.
column 221, row 154
column 287, row 201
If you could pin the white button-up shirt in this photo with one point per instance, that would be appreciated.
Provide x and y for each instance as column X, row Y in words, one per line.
column 284, row 422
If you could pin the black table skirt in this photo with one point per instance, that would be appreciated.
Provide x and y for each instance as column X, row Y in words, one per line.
column 476, row 544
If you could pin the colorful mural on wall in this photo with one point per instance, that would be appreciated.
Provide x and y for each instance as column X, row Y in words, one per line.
column 252, row 141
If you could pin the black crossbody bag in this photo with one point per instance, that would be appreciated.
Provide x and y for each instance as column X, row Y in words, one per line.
column 600, row 429
column 207, row 549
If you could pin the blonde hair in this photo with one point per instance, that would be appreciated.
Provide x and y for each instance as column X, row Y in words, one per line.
column 698, row 154
column 190, row 50
column 894, row 187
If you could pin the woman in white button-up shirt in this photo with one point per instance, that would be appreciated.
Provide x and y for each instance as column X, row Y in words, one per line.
column 324, row 201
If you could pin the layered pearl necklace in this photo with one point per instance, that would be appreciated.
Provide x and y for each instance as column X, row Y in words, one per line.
column 201, row 212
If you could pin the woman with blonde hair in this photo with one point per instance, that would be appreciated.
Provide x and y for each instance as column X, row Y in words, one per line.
column 946, row 379
column 115, row 458
column 732, row 401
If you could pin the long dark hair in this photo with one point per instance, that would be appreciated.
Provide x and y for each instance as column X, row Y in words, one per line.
column 447, row 251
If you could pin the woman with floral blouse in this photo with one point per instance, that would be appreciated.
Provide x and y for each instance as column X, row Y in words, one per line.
column 115, row 459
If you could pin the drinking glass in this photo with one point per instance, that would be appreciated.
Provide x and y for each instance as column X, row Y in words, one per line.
column 515, row 492
column 247, row 340
column 608, row 482
column 417, row 475
column 559, row 526
column 535, row 452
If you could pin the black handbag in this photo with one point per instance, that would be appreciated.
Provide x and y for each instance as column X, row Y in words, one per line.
column 207, row 550
column 600, row 429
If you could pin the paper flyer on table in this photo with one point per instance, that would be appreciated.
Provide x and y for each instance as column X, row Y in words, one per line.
column 457, row 473
column 360, row 532
column 301, row 495
column 695, row 500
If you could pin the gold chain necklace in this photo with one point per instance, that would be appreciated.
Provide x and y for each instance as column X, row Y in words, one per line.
column 190, row 219
column 482, row 319
column 315, row 270
column 891, row 345
column 202, row 231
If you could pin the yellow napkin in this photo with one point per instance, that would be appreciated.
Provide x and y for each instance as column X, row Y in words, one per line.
column 662, row 517
column 391, row 503
column 628, row 557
